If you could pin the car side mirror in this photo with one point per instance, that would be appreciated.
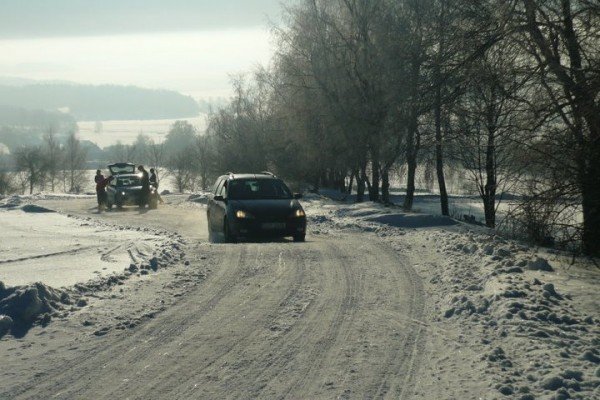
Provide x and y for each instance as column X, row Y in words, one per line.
column 297, row 195
column 218, row 198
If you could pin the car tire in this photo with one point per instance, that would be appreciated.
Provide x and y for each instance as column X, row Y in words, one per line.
column 153, row 205
column 300, row 237
column 229, row 237
column 109, row 205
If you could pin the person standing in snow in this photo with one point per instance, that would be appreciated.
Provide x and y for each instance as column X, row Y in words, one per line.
column 154, row 182
column 145, row 194
column 101, row 183
column 98, row 179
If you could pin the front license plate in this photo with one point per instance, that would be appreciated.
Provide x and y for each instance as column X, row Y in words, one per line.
column 273, row 225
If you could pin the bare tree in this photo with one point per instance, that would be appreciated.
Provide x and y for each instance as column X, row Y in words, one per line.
column 30, row 162
column 563, row 40
column 53, row 155
column 74, row 173
column 182, row 168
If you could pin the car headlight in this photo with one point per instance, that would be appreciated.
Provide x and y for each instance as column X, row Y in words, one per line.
column 299, row 213
column 243, row 214
column 122, row 193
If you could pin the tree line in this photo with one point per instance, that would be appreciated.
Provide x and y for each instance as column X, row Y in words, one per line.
column 51, row 166
column 360, row 92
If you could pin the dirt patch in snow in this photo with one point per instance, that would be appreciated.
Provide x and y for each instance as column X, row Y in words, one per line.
column 33, row 208
column 23, row 306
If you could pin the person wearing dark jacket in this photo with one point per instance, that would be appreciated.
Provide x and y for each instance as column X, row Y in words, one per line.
column 98, row 178
column 101, row 183
column 145, row 194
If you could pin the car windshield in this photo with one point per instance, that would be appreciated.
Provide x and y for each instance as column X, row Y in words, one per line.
column 129, row 181
column 249, row 189
column 121, row 168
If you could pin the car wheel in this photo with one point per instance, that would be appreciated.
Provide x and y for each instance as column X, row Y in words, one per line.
column 300, row 237
column 229, row 237
column 109, row 205
column 153, row 204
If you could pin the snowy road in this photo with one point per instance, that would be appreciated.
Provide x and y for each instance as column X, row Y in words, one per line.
column 335, row 317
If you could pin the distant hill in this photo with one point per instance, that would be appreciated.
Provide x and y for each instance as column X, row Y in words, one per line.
column 105, row 102
column 22, row 117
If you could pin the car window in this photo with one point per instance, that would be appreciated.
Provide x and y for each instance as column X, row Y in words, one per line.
column 247, row 189
column 222, row 191
column 128, row 181
column 121, row 168
column 217, row 185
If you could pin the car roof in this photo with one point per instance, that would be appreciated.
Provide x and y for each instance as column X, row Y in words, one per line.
column 261, row 175
column 121, row 164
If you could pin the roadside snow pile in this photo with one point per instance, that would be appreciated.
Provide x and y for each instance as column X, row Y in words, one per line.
column 129, row 251
column 538, row 339
column 23, row 306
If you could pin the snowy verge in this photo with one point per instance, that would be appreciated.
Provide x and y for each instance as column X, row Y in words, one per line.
column 528, row 318
column 23, row 305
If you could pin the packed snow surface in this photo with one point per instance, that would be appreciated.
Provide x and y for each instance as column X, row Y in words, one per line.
column 41, row 246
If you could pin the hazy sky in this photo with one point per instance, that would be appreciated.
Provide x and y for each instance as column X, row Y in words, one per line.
column 185, row 45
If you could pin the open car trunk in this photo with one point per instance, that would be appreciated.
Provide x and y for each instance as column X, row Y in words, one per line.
column 121, row 168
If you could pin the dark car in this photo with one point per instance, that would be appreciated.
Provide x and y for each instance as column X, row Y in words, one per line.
column 126, row 187
column 247, row 205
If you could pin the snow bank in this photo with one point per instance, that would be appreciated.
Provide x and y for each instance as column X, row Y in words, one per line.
column 81, row 255
column 536, row 335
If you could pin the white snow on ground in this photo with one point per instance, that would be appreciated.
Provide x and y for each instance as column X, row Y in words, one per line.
column 60, row 251
column 530, row 315
column 42, row 250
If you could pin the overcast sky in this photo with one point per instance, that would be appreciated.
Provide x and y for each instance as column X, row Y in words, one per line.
column 186, row 45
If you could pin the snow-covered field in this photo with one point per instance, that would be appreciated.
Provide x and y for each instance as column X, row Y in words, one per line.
column 106, row 133
column 60, row 251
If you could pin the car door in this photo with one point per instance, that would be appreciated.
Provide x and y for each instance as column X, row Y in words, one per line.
column 211, row 204
column 220, row 206
column 111, row 191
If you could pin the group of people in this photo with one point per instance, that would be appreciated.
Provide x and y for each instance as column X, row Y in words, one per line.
column 147, row 180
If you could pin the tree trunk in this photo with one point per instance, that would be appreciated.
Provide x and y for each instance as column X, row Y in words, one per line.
column 489, row 210
column 341, row 180
column 590, row 194
column 412, row 150
column 360, row 184
column 385, row 186
column 374, row 188
column 489, row 195
column 352, row 175
column 413, row 139
column 411, row 164
column 439, row 150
